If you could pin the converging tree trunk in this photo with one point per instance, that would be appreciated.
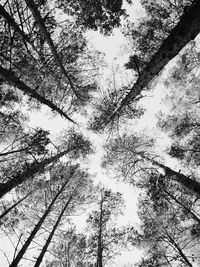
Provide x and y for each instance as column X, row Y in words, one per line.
column 187, row 182
column 22, row 251
column 189, row 211
column 99, row 247
column 185, row 31
column 39, row 259
column 13, row 206
column 30, row 170
column 33, row 7
column 10, row 77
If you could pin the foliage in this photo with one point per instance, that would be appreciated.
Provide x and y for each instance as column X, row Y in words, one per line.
column 102, row 15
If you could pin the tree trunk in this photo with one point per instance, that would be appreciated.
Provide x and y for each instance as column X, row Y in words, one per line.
column 13, row 24
column 22, row 251
column 10, row 77
column 187, row 182
column 33, row 7
column 25, row 37
column 179, row 250
column 30, row 171
column 99, row 249
column 193, row 215
column 39, row 259
column 185, row 31
column 13, row 206
column 13, row 152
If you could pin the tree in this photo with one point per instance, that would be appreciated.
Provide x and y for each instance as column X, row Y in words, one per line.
column 29, row 170
column 34, row 143
column 103, row 15
column 185, row 31
column 167, row 224
column 105, row 240
column 71, row 250
column 134, row 154
column 22, row 251
column 13, row 80
column 50, row 65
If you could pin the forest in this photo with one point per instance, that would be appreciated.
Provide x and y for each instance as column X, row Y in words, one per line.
column 99, row 149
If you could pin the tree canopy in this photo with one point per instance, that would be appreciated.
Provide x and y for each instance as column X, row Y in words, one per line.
column 104, row 128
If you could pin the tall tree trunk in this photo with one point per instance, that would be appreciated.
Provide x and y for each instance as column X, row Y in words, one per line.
column 13, row 24
column 10, row 77
column 179, row 250
column 185, row 31
column 33, row 7
column 22, row 251
column 13, row 206
column 99, row 248
column 187, row 182
column 13, row 152
column 44, row 249
column 193, row 215
column 10, row 20
column 30, row 171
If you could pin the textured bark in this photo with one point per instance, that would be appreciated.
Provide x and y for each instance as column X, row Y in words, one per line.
column 22, row 251
column 187, row 182
column 185, row 31
column 30, row 171
column 10, row 77
column 44, row 249
column 33, row 7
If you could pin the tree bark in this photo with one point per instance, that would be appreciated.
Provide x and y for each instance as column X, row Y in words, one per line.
column 13, row 206
column 22, row 251
column 99, row 249
column 193, row 215
column 13, row 152
column 179, row 250
column 30, row 171
column 185, row 31
column 10, row 77
column 13, row 24
column 187, row 182
column 39, row 259
column 33, row 7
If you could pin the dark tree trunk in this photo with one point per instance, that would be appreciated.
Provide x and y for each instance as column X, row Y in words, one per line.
column 30, row 171
column 179, row 250
column 39, row 259
column 192, row 214
column 10, row 77
column 33, row 7
column 13, row 24
column 13, row 152
column 99, row 248
column 187, row 182
column 185, row 31
column 22, row 251
column 13, row 206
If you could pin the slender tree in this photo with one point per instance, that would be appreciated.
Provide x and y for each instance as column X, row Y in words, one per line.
column 44, row 249
column 33, row 7
column 75, row 146
column 134, row 153
column 11, row 78
column 22, row 251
